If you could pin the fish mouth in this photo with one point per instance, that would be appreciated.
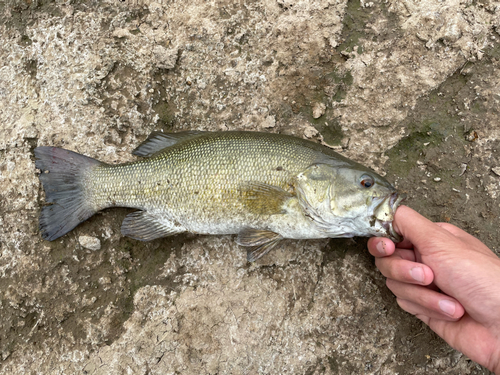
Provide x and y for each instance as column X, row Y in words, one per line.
column 384, row 214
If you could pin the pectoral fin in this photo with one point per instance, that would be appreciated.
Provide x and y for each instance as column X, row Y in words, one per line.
column 260, row 241
column 263, row 199
column 143, row 226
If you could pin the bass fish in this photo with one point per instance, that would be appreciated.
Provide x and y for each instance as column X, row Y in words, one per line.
column 263, row 187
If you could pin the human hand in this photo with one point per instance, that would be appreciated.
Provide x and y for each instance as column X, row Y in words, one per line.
column 448, row 279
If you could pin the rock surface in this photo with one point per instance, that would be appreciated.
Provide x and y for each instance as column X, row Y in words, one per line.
column 411, row 89
column 90, row 243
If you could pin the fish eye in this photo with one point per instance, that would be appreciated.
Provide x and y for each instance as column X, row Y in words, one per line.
column 367, row 181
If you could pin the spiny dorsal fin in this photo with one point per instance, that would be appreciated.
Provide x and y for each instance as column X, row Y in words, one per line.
column 263, row 199
column 261, row 242
column 143, row 226
column 157, row 141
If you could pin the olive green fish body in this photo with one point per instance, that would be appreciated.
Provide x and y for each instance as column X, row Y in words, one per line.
column 264, row 187
column 208, row 184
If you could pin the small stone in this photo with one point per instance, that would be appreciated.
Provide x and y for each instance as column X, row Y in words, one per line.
column 318, row 110
column 121, row 33
column 463, row 168
column 91, row 243
column 472, row 136
column 269, row 122
column 496, row 170
column 437, row 179
column 104, row 280
column 165, row 58
column 310, row 131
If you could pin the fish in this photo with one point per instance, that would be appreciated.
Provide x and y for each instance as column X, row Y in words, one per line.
column 263, row 187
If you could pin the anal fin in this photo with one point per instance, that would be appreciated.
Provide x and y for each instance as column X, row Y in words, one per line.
column 143, row 226
column 259, row 241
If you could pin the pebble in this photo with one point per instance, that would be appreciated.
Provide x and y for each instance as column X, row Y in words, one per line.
column 269, row 122
column 496, row 170
column 91, row 243
column 318, row 110
column 437, row 179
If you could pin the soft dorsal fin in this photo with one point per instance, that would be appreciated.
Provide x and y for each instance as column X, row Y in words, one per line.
column 157, row 141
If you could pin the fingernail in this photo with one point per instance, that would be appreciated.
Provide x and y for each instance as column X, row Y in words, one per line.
column 418, row 274
column 447, row 306
column 381, row 248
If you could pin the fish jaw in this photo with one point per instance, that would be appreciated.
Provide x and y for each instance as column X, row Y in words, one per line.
column 384, row 215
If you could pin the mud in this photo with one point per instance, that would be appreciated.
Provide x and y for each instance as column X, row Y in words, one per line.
column 411, row 89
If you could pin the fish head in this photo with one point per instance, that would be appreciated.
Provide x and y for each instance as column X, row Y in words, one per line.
column 348, row 201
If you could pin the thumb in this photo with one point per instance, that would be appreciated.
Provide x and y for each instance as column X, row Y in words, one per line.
column 420, row 231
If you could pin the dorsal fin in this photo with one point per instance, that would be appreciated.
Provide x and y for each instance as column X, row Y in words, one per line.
column 157, row 141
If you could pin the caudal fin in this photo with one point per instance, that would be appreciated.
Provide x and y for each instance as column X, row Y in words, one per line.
column 61, row 176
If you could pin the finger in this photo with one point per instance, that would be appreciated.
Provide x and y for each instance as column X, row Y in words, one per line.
column 467, row 335
column 405, row 254
column 405, row 244
column 405, row 271
column 380, row 247
column 420, row 311
column 425, row 301
column 420, row 231
column 424, row 318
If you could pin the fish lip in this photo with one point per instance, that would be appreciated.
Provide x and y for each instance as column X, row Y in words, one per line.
column 394, row 200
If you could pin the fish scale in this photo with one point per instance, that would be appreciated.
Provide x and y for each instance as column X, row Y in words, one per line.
column 200, row 181
column 263, row 187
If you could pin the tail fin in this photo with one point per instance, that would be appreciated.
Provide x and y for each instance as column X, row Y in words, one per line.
column 61, row 177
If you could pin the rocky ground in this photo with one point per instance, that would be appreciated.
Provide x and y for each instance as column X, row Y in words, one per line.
column 409, row 88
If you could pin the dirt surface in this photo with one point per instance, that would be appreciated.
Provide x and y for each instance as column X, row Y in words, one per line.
column 411, row 89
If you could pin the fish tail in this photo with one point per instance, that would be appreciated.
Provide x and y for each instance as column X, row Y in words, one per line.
column 62, row 176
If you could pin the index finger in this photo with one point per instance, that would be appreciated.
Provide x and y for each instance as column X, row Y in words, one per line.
column 381, row 246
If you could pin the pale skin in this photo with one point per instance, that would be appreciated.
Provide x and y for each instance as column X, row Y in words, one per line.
column 448, row 279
